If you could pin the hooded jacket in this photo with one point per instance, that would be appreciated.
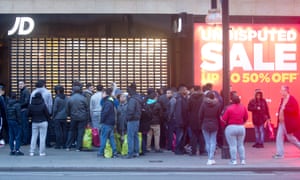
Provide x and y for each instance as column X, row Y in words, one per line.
column 59, row 107
column 38, row 110
column 156, row 111
column 209, row 114
column 108, row 111
column 259, row 109
column 46, row 96
column 13, row 110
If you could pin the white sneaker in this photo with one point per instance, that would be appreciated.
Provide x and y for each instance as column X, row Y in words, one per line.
column 243, row 162
column 42, row 154
column 31, row 154
column 210, row 162
column 233, row 163
column 2, row 142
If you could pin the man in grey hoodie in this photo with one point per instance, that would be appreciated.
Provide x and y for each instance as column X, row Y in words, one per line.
column 46, row 94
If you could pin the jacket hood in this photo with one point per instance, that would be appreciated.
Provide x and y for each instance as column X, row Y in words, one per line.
column 62, row 96
column 211, row 102
column 151, row 101
column 37, row 101
column 258, row 91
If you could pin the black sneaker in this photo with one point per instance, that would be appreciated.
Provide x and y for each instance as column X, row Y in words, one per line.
column 255, row 145
column 159, row 151
column 115, row 156
column 19, row 153
column 12, row 153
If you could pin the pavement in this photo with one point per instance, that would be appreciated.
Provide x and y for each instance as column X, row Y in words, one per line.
column 257, row 159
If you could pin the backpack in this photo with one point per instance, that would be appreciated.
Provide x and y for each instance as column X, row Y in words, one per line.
column 147, row 112
column 146, row 117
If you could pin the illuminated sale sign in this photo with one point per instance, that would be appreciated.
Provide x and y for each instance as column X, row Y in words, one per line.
column 261, row 57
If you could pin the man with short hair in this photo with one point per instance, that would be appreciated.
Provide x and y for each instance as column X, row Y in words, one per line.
column 134, row 111
column 24, row 102
column 95, row 107
column 108, row 120
column 77, row 109
column 46, row 94
column 180, row 119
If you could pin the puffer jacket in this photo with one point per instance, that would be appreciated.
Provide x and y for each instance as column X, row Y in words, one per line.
column 209, row 114
column 13, row 110
column 156, row 111
column 38, row 111
column 77, row 107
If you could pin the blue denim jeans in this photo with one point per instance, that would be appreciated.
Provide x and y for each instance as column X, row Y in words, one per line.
column 179, row 140
column 235, row 136
column 96, row 119
column 259, row 134
column 171, row 131
column 210, row 142
column 132, row 137
column 14, row 135
column 107, row 132
column 281, row 132
column 25, row 131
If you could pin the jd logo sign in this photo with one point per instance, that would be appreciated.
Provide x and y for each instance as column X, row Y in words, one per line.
column 22, row 26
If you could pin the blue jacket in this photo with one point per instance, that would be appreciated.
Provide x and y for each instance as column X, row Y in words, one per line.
column 108, row 115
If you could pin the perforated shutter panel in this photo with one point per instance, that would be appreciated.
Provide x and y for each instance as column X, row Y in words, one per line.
column 95, row 60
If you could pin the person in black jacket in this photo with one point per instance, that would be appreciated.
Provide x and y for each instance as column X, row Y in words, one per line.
column 194, row 103
column 14, row 124
column 3, row 120
column 155, row 120
column 134, row 111
column 39, row 114
column 108, row 119
column 209, row 114
column 59, row 116
column 260, row 114
column 24, row 102
column 181, row 119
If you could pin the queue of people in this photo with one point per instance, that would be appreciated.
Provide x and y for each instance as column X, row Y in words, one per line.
column 185, row 121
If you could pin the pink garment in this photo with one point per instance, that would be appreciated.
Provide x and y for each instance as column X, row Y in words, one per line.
column 235, row 114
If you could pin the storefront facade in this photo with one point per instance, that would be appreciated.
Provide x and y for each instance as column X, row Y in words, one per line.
column 139, row 41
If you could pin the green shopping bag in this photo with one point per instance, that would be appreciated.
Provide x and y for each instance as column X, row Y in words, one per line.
column 108, row 150
column 118, row 142
column 125, row 144
column 87, row 139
